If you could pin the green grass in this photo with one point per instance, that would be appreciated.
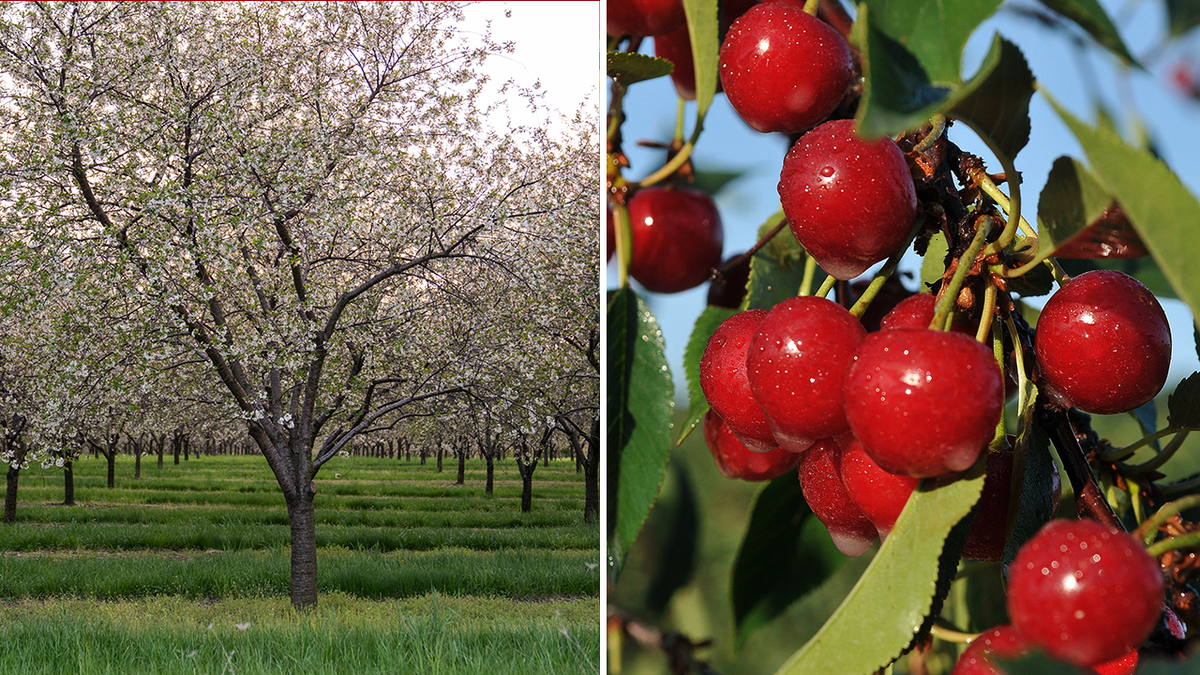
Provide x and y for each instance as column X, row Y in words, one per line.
column 432, row 634
column 416, row 574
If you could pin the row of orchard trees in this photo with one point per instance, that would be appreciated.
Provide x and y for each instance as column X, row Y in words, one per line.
column 296, row 218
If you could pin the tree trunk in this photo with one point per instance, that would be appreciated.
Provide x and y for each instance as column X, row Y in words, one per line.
column 591, row 483
column 462, row 464
column 112, row 466
column 186, row 447
column 304, row 551
column 491, row 470
column 161, row 441
column 68, row 483
column 137, row 463
column 10, row 495
column 439, row 458
column 527, row 488
column 177, row 446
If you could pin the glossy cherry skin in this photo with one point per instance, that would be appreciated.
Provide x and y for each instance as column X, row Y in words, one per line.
column 730, row 291
column 1084, row 592
column 821, row 484
column 735, row 460
column 880, row 495
column 1103, row 344
column 916, row 311
column 1001, row 642
column 923, row 403
column 1122, row 665
column 723, row 379
column 677, row 238
column 796, row 365
column 850, row 203
column 644, row 17
column 783, row 69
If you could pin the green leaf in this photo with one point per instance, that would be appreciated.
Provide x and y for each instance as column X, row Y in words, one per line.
column 933, row 32
column 777, row 269
column 995, row 103
column 703, row 30
column 1182, row 16
column 640, row 405
column 1033, row 481
column 933, row 266
column 1183, row 405
column 629, row 67
column 705, row 325
column 1091, row 17
column 893, row 598
column 1165, row 215
column 1078, row 218
column 712, row 182
column 897, row 92
column 785, row 555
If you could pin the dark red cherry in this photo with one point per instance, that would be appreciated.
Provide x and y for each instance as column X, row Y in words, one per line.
column 796, row 366
column 851, row 531
column 916, row 311
column 990, row 527
column 730, row 291
column 735, row 460
column 610, row 237
column 723, row 379
column 784, row 69
column 677, row 238
column 880, row 495
column 644, row 17
column 1084, row 592
column 923, row 402
column 676, row 47
column 1103, row 344
column 850, row 203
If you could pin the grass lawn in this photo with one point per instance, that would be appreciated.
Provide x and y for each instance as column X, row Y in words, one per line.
column 186, row 571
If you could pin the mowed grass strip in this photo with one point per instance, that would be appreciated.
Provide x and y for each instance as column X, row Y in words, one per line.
column 241, row 536
column 509, row 574
column 430, row 634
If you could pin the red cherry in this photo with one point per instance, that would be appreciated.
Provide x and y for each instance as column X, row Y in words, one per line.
column 922, row 402
column 735, row 460
column 723, row 379
column 916, row 311
column 676, row 47
column 784, row 69
column 851, row 531
column 890, row 295
column 677, row 238
column 1084, row 592
column 880, row 495
column 1103, row 344
column 850, row 203
column 1124, row 665
column 1001, row 642
column 796, row 365
column 990, row 527
column 730, row 291
column 644, row 17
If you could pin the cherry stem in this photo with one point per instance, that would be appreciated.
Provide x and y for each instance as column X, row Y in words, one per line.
column 985, row 317
column 952, row 635
column 826, row 286
column 810, row 272
column 1089, row 500
column 810, row 6
column 949, row 293
column 1149, row 528
column 670, row 167
column 624, row 244
column 888, row 269
column 937, row 125
column 1158, row 460
column 1122, row 453
column 997, row 353
column 1190, row 540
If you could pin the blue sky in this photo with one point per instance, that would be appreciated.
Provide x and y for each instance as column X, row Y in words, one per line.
column 729, row 144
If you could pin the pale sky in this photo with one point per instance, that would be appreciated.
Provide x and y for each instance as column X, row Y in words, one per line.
column 555, row 44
